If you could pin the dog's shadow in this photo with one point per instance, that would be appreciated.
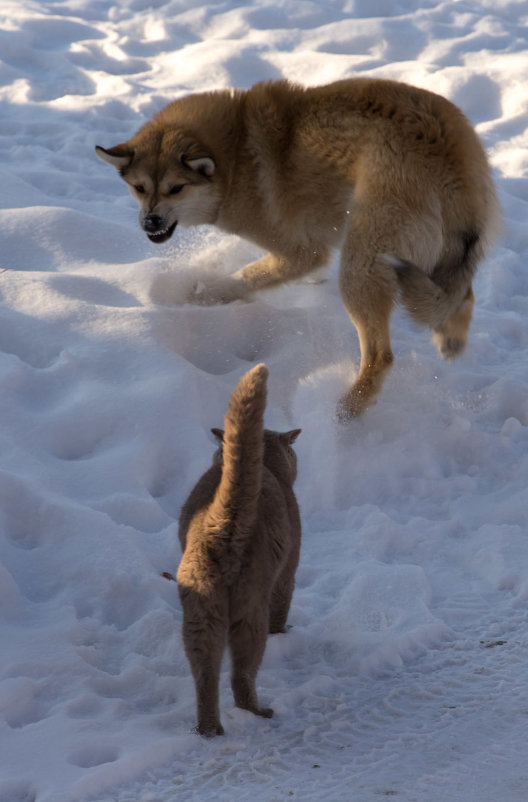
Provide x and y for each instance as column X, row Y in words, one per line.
column 92, row 290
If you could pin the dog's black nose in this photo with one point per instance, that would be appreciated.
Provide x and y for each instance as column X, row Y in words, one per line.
column 152, row 223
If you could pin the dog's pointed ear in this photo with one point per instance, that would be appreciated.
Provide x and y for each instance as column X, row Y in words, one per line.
column 219, row 434
column 118, row 157
column 290, row 437
column 195, row 156
column 201, row 164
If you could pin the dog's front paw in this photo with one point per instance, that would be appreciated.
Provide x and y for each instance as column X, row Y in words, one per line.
column 216, row 290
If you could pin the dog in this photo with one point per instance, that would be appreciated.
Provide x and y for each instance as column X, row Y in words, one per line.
column 240, row 534
column 392, row 174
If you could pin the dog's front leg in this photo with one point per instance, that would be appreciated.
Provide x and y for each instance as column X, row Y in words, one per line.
column 265, row 273
column 211, row 289
column 275, row 269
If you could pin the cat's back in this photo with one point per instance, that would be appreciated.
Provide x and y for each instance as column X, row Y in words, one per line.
column 277, row 528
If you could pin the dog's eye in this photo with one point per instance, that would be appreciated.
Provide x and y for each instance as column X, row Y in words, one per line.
column 139, row 188
column 176, row 189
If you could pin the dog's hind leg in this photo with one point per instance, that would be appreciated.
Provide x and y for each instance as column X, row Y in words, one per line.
column 389, row 221
column 444, row 300
column 451, row 337
column 368, row 288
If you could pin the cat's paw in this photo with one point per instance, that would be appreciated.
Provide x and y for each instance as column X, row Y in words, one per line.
column 209, row 729
column 265, row 712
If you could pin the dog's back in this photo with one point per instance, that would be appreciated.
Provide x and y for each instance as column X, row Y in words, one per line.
column 240, row 536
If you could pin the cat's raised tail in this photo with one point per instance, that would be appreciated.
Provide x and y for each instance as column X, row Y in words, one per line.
column 234, row 507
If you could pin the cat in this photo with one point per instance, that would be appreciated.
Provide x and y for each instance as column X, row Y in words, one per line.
column 240, row 533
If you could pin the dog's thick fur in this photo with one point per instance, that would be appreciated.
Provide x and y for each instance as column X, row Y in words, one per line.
column 240, row 534
column 392, row 174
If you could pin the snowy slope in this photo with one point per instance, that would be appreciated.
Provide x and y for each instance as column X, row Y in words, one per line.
column 404, row 672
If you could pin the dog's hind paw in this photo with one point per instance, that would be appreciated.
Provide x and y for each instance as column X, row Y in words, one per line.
column 449, row 347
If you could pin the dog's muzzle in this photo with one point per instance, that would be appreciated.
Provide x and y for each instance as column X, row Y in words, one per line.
column 156, row 231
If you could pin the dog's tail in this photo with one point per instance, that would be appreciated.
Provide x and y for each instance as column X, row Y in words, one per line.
column 432, row 300
column 234, row 508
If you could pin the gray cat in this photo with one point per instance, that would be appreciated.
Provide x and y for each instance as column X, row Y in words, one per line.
column 240, row 533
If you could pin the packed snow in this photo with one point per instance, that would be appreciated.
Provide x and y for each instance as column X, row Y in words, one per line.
column 404, row 671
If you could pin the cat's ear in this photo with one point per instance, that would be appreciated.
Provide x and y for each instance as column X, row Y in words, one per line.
column 219, row 434
column 290, row 437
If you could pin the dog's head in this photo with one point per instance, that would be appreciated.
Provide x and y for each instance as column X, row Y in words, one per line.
column 172, row 176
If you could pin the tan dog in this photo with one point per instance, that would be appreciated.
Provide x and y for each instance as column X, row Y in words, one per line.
column 392, row 174
column 240, row 534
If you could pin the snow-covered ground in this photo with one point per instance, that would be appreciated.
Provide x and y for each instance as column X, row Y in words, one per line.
column 404, row 673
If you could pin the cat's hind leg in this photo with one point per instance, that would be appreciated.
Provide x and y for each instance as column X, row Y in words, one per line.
column 247, row 642
column 204, row 640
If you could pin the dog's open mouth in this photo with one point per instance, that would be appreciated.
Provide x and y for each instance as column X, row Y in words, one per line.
column 162, row 236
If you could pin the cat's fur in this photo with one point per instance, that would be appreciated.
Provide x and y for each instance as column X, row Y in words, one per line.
column 240, row 534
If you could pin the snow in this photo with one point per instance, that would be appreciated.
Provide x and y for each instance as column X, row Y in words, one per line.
column 404, row 671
